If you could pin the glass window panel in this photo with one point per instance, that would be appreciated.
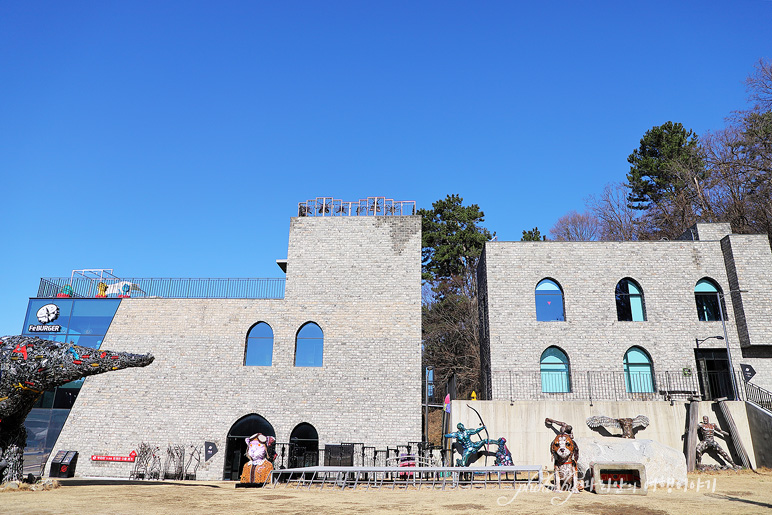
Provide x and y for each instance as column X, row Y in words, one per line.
column 706, row 296
column 65, row 397
column 547, row 286
column 261, row 330
column 636, row 308
column 93, row 342
column 310, row 330
column 549, row 302
column 639, row 377
column 705, row 286
column 308, row 352
column 92, row 316
column 259, row 352
column 56, row 313
column 259, row 346
column 554, row 371
column 629, row 301
column 549, row 307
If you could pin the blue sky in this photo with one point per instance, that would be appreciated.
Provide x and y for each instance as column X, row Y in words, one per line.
column 175, row 139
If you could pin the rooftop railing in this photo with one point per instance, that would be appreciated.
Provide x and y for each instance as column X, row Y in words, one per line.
column 595, row 385
column 371, row 206
column 166, row 288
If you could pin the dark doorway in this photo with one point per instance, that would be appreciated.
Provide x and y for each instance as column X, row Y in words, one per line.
column 304, row 446
column 713, row 369
column 236, row 446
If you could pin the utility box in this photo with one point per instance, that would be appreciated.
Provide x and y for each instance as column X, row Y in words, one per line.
column 63, row 464
column 339, row 455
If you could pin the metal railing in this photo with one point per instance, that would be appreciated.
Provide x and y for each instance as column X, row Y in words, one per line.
column 291, row 455
column 371, row 206
column 608, row 386
column 758, row 396
column 167, row 288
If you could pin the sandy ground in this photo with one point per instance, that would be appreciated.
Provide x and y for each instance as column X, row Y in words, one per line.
column 719, row 492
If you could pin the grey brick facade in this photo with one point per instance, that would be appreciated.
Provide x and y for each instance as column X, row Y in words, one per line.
column 358, row 278
column 512, row 340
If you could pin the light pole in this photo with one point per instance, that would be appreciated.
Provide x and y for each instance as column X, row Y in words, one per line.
column 426, row 403
column 726, row 339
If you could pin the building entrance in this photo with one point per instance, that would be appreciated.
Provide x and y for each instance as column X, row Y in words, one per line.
column 713, row 369
column 304, row 446
column 236, row 446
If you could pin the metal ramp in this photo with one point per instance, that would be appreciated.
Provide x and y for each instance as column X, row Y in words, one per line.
column 406, row 477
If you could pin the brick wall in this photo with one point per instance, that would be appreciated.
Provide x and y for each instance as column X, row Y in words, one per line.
column 357, row 278
column 591, row 335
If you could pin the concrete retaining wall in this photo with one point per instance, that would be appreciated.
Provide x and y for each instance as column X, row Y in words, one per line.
column 529, row 439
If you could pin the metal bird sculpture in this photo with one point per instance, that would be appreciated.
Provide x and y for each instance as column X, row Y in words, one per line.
column 626, row 424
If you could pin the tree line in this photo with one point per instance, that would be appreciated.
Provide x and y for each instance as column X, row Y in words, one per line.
column 678, row 178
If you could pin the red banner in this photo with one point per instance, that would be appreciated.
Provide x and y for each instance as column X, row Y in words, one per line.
column 130, row 457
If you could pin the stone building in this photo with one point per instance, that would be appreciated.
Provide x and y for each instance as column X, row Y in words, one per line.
column 334, row 359
column 646, row 320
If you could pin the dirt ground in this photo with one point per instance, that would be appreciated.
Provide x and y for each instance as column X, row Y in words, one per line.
column 714, row 493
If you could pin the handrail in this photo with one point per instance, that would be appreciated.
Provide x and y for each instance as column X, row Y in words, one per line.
column 167, row 288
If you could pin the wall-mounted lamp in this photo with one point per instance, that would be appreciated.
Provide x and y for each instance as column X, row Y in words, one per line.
column 697, row 341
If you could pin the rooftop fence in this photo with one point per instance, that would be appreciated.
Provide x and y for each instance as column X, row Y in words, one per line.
column 165, row 288
column 371, row 206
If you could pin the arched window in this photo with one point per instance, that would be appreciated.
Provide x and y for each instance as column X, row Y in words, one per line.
column 707, row 295
column 554, row 371
column 629, row 297
column 309, row 346
column 639, row 374
column 549, row 301
column 259, row 351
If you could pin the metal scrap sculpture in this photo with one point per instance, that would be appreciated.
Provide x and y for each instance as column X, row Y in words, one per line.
column 260, row 451
column 565, row 455
column 708, row 430
column 626, row 424
column 464, row 438
column 30, row 366
column 503, row 456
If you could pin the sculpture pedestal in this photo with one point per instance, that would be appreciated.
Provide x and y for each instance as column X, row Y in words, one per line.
column 256, row 474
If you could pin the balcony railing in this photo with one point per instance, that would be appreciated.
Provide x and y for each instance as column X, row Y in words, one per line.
column 611, row 386
column 166, row 288
column 371, row 206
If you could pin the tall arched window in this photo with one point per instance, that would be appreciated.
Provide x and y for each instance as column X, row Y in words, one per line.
column 549, row 301
column 309, row 346
column 259, row 351
column 639, row 374
column 554, row 371
column 707, row 294
column 629, row 297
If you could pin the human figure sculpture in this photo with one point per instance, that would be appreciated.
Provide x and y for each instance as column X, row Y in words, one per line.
column 503, row 456
column 464, row 437
column 260, row 453
column 30, row 366
column 708, row 431
column 626, row 424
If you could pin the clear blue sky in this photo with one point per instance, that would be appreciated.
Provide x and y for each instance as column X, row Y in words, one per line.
column 174, row 139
